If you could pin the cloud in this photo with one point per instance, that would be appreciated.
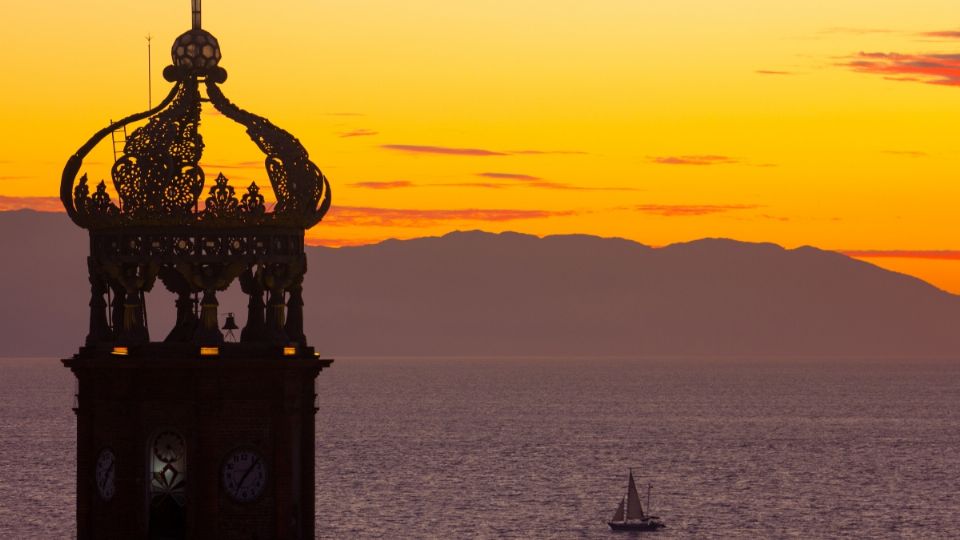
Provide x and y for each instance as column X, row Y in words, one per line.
column 402, row 217
column 938, row 69
column 445, row 150
column 509, row 176
column 772, row 72
column 341, row 242
column 548, row 152
column 687, row 210
column 383, row 185
column 539, row 184
column 417, row 149
column 856, row 31
column 15, row 177
column 693, row 160
column 343, row 114
column 951, row 255
column 525, row 181
column 244, row 165
column 906, row 153
column 42, row 204
column 359, row 133
column 486, row 185
column 943, row 34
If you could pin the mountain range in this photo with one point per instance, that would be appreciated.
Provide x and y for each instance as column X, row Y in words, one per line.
column 482, row 294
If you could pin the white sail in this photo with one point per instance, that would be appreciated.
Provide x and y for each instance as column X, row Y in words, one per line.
column 634, row 509
column 618, row 515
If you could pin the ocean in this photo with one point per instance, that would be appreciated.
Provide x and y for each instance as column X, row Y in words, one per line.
column 540, row 448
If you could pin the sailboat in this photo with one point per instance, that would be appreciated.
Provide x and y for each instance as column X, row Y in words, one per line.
column 633, row 519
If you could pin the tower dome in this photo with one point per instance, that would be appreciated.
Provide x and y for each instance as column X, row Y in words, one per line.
column 158, row 177
column 194, row 231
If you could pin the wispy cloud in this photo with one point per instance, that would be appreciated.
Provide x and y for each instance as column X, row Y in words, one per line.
column 418, row 149
column 942, row 34
column 540, row 184
column 396, row 184
column 857, row 31
column 340, row 242
column 15, row 177
column 509, row 176
column 359, row 133
column 42, row 204
column 906, row 153
column 548, row 152
column 483, row 152
column 530, row 181
column 902, row 254
column 343, row 114
column 485, row 185
column 700, row 160
column 938, row 69
column 495, row 180
column 404, row 217
column 772, row 72
column 242, row 165
column 687, row 210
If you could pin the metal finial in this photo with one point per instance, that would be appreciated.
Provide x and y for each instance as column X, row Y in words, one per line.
column 196, row 14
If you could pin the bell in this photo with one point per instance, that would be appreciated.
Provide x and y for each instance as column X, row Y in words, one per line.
column 230, row 323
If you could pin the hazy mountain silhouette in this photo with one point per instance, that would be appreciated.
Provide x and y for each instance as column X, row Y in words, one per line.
column 475, row 293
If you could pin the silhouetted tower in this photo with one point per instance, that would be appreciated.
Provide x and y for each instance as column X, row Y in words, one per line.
column 193, row 437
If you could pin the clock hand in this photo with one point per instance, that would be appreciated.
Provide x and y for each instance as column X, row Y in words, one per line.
column 247, row 473
column 106, row 477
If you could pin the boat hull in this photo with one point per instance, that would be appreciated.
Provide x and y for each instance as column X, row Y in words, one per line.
column 635, row 525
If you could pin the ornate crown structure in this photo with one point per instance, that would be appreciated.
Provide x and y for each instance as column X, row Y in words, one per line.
column 158, row 228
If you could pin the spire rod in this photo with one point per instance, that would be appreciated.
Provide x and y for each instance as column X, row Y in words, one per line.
column 196, row 14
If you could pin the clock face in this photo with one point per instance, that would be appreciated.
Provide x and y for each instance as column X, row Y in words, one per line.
column 168, row 447
column 244, row 475
column 106, row 467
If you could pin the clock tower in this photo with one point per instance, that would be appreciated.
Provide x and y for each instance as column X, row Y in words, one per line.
column 181, row 434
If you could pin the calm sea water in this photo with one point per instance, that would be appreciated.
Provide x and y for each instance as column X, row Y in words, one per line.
column 539, row 448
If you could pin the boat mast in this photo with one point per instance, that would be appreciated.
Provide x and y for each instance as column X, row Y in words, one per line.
column 649, row 510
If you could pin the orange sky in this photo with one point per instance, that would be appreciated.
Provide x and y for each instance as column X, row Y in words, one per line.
column 830, row 124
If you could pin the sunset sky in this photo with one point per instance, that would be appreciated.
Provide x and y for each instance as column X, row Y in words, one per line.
column 831, row 124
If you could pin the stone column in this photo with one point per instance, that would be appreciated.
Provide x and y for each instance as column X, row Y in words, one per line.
column 208, row 332
column 119, row 298
column 99, row 329
column 294, row 324
column 255, row 328
column 186, row 325
column 276, row 317
column 132, row 329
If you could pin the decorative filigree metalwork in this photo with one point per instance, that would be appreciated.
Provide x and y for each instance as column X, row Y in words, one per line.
column 303, row 192
column 158, row 177
column 252, row 204
column 100, row 203
column 97, row 208
column 221, row 204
